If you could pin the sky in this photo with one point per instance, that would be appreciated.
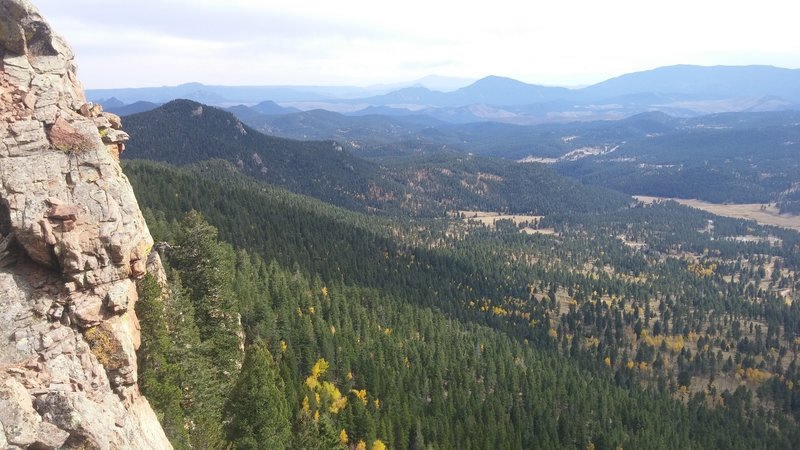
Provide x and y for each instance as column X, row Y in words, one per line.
column 139, row 43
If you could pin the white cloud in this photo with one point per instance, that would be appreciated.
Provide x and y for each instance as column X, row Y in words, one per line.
column 361, row 42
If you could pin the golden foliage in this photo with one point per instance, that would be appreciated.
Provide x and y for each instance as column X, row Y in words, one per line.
column 703, row 270
column 312, row 383
column 325, row 393
column 674, row 343
column 378, row 445
column 334, row 397
column 753, row 374
column 361, row 394
column 343, row 438
column 498, row 311
column 320, row 367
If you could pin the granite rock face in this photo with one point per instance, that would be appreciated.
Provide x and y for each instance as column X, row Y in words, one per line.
column 72, row 242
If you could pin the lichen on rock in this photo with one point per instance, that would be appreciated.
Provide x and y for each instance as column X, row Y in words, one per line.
column 72, row 240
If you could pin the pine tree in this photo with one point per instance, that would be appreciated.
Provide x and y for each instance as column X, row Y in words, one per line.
column 257, row 411
column 207, row 270
column 159, row 376
column 203, row 392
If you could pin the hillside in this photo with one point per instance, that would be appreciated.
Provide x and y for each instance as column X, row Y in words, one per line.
column 747, row 157
column 488, row 184
column 184, row 132
column 354, row 132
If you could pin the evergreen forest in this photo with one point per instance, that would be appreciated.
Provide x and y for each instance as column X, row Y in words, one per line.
column 286, row 322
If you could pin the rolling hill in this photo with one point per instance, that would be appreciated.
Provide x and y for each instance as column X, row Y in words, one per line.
column 749, row 157
column 184, row 132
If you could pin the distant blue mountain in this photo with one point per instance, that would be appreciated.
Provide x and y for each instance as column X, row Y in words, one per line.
column 416, row 95
column 261, row 112
column 133, row 108
column 220, row 95
column 500, row 91
column 381, row 110
column 657, row 86
column 704, row 82
column 112, row 102
column 269, row 107
column 492, row 90
column 682, row 90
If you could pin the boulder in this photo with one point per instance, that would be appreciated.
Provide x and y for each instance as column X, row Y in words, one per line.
column 20, row 421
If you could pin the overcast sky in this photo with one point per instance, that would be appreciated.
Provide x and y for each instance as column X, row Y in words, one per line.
column 348, row 42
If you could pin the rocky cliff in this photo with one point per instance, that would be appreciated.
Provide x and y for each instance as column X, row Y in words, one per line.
column 72, row 242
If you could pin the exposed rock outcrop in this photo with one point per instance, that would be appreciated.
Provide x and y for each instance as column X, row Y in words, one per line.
column 72, row 241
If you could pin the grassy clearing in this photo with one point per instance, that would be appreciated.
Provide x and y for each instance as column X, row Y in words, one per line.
column 488, row 219
column 763, row 214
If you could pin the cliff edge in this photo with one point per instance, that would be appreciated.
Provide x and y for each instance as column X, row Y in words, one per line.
column 72, row 242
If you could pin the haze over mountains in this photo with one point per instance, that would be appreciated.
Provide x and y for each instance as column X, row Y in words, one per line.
column 681, row 90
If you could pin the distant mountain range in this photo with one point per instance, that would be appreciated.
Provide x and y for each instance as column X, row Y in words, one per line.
column 229, row 95
column 682, row 91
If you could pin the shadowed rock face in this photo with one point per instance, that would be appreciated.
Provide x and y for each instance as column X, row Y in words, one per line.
column 72, row 242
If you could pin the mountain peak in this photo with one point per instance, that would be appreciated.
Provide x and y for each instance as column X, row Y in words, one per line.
column 191, row 85
column 497, row 79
